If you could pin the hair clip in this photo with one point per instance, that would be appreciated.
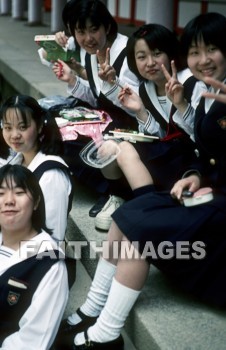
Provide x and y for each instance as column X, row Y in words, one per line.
column 144, row 33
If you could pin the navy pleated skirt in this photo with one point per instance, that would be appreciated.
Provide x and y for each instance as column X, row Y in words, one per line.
column 156, row 220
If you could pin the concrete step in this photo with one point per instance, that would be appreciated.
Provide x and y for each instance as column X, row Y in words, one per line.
column 163, row 317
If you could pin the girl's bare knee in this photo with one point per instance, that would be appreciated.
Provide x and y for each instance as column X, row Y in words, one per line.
column 128, row 154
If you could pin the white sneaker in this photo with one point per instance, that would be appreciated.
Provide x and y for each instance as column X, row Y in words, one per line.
column 103, row 219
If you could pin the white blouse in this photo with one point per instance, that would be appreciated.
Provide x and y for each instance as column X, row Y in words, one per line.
column 39, row 324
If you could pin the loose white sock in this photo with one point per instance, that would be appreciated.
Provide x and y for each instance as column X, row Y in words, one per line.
column 113, row 316
column 98, row 292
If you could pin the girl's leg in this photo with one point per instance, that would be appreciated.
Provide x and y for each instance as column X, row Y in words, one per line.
column 128, row 163
column 131, row 274
column 102, row 280
column 112, row 171
column 132, row 167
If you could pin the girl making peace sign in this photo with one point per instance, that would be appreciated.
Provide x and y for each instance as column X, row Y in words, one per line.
column 164, row 93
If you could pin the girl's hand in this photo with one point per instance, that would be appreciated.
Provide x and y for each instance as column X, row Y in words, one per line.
column 64, row 72
column 190, row 183
column 130, row 100
column 216, row 84
column 106, row 71
column 174, row 89
column 78, row 68
column 108, row 149
column 61, row 39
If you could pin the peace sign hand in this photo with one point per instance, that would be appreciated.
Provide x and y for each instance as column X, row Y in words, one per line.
column 106, row 71
column 174, row 89
column 216, row 84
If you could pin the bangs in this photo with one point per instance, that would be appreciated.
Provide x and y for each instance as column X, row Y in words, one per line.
column 205, row 35
column 207, row 28
column 82, row 21
column 23, row 113
column 12, row 179
column 159, row 37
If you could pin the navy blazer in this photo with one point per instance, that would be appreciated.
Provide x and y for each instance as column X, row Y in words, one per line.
column 210, row 137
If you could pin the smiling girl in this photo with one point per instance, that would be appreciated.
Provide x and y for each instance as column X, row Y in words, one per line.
column 204, row 46
column 96, row 31
column 33, row 290
column 157, row 217
column 34, row 137
column 153, row 55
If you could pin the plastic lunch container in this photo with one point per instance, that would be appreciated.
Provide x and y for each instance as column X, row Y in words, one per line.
column 91, row 154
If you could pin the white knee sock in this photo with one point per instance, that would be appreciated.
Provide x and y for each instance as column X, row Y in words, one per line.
column 113, row 316
column 98, row 292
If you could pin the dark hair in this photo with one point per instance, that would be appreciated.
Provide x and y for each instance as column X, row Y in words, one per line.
column 97, row 13
column 68, row 11
column 157, row 37
column 25, row 179
column 209, row 27
column 4, row 148
column 50, row 140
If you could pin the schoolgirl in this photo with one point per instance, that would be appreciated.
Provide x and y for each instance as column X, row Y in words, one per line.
column 161, row 96
column 153, row 54
column 34, row 287
column 34, row 137
column 159, row 217
column 95, row 31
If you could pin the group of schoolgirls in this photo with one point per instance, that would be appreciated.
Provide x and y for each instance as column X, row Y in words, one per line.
column 189, row 154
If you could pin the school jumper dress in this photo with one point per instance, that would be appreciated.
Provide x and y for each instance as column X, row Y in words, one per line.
column 103, row 96
column 38, row 300
column 168, row 157
column 157, row 217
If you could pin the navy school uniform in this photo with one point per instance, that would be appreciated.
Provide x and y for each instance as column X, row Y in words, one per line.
column 157, row 217
column 15, row 301
column 33, row 293
column 167, row 158
column 92, row 177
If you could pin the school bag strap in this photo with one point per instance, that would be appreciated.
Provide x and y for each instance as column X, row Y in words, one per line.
column 119, row 61
column 149, row 105
column 54, row 164
column 189, row 85
column 117, row 66
column 172, row 130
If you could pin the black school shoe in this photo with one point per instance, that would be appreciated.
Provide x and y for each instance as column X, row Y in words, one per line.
column 66, row 333
column 98, row 206
column 116, row 344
